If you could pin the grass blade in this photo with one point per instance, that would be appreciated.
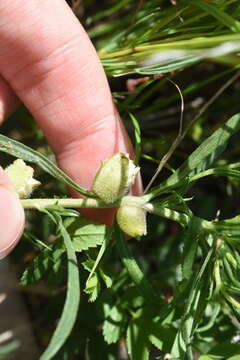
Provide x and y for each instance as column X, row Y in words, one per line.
column 221, row 16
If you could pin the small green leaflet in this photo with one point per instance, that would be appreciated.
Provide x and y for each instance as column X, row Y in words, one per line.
column 93, row 288
column 24, row 152
column 113, row 324
column 93, row 283
column 70, row 310
column 84, row 233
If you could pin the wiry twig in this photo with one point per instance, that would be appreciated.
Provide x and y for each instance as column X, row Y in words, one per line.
column 174, row 144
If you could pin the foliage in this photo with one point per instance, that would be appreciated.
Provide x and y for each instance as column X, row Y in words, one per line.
column 173, row 294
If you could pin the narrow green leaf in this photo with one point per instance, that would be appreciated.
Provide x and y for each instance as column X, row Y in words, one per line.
column 227, row 227
column 225, row 350
column 132, row 267
column 70, row 309
column 182, row 343
column 19, row 150
column 162, row 336
column 137, row 341
column 5, row 350
column 139, row 330
column 202, row 157
column 191, row 238
column 138, row 139
column 220, row 15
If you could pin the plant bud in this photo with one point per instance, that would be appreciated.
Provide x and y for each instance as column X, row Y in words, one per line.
column 114, row 178
column 131, row 216
column 21, row 177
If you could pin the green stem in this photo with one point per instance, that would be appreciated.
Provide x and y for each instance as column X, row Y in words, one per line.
column 215, row 171
column 181, row 218
column 39, row 204
column 190, row 44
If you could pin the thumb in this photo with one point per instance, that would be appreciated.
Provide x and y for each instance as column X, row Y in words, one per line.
column 11, row 216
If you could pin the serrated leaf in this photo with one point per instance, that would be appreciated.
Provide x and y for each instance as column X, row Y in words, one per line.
column 93, row 284
column 93, row 288
column 113, row 325
column 106, row 278
column 85, row 234
column 41, row 265
column 162, row 337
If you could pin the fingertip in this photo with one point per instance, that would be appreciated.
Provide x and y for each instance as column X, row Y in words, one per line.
column 12, row 216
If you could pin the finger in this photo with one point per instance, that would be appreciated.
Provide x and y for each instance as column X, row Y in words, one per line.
column 57, row 74
column 11, row 211
column 11, row 216
column 8, row 100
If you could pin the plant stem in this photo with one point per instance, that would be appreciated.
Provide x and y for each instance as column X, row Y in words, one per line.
column 66, row 203
column 192, row 43
column 181, row 218
column 215, row 171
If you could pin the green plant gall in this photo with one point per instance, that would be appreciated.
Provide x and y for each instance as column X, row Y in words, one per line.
column 131, row 215
column 114, row 178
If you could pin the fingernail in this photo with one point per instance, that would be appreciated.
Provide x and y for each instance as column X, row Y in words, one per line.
column 11, row 220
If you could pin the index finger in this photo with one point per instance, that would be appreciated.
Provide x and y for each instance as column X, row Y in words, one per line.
column 49, row 61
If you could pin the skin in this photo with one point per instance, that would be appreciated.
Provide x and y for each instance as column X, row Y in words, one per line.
column 48, row 62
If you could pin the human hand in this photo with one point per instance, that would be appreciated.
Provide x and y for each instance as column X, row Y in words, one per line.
column 48, row 62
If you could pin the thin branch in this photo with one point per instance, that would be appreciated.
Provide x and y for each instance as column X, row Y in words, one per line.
column 39, row 204
column 174, row 144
